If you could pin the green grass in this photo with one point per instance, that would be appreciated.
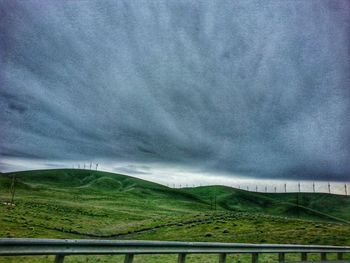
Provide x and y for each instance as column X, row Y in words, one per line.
column 88, row 204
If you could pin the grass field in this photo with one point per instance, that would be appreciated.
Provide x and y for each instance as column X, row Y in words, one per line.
column 75, row 203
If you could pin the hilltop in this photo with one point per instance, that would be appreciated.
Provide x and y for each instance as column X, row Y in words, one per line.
column 318, row 206
column 72, row 203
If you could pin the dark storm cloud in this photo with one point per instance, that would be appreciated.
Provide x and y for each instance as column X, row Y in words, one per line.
column 244, row 87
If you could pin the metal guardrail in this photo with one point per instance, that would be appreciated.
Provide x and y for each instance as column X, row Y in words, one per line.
column 65, row 247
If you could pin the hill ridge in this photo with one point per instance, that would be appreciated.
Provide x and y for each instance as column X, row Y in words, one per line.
column 227, row 198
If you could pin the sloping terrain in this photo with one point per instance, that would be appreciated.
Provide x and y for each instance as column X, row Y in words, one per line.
column 316, row 206
column 72, row 203
column 302, row 205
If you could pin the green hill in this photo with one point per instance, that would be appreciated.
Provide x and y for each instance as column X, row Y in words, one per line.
column 304, row 205
column 72, row 203
column 316, row 206
column 69, row 178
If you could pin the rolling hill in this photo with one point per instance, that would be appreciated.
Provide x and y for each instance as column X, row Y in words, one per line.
column 72, row 203
column 310, row 205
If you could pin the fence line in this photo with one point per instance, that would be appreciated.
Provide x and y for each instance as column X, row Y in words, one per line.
column 66, row 247
column 329, row 188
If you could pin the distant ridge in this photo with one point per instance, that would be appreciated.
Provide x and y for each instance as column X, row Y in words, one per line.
column 314, row 206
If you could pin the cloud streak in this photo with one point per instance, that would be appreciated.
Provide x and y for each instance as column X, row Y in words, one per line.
column 260, row 90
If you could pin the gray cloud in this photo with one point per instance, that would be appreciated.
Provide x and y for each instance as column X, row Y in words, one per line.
column 259, row 89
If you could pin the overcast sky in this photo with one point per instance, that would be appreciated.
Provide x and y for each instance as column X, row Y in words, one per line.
column 248, row 89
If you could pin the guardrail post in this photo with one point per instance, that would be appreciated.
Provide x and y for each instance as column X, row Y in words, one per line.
column 181, row 258
column 59, row 258
column 303, row 256
column 129, row 258
column 281, row 257
column 60, row 249
column 222, row 258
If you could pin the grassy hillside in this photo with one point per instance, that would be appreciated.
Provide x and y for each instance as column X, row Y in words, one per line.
column 220, row 198
column 88, row 204
column 314, row 206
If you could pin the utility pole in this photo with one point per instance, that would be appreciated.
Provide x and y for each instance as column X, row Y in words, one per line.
column 285, row 188
column 96, row 166
column 256, row 188
column 215, row 202
column 275, row 189
column 13, row 189
column 329, row 187
column 313, row 187
column 298, row 193
column 214, row 199
column 298, row 212
column 346, row 189
column 265, row 189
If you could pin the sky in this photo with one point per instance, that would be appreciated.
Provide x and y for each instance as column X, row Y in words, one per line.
column 178, row 91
